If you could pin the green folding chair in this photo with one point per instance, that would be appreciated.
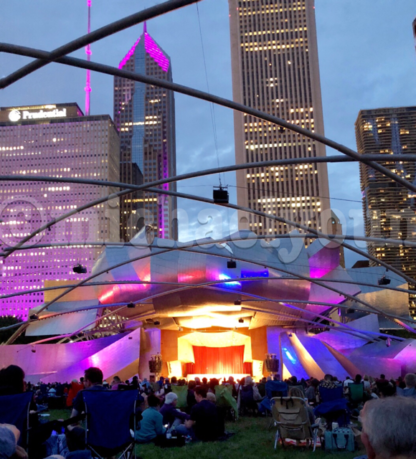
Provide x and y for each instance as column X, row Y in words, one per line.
column 182, row 393
column 224, row 399
column 356, row 392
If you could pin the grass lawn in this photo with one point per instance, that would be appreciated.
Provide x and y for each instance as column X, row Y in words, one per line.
column 252, row 439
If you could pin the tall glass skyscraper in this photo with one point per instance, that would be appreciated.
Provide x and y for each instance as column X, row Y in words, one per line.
column 54, row 141
column 389, row 208
column 145, row 118
column 275, row 69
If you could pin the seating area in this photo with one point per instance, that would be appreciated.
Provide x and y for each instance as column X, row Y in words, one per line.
column 120, row 418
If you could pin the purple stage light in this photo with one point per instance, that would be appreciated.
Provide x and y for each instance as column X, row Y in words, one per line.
column 225, row 277
column 245, row 273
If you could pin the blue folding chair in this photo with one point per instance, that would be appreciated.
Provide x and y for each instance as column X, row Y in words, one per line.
column 333, row 406
column 329, row 395
column 108, row 416
column 273, row 389
column 276, row 389
column 14, row 409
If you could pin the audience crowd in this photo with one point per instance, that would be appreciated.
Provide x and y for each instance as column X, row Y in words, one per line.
column 175, row 408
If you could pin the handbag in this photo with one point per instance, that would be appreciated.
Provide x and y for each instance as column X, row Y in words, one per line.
column 340, row 439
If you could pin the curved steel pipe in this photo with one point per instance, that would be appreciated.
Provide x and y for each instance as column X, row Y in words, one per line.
column 96, row 35
column 49, row 57
column 210, row 201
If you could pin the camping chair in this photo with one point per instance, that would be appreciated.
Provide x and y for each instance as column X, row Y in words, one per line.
column 334, row 411
column 356, row 393
column 108, row 415
column 246, row 398
column 329, row 395
column 291, row 418
column 273, row 389
column 14, row 409
column 182, row 393
column 225, row 400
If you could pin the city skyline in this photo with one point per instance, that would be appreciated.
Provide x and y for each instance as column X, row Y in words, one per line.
column 352, row 78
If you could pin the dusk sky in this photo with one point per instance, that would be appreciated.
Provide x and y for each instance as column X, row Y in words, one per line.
column 367, row 60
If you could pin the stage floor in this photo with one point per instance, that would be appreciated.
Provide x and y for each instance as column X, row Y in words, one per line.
column 191, row 377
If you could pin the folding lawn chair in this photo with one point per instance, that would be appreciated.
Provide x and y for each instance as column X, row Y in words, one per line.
column 14, row 409
column 291, row 418
column 356, row 393
column 273, row 389
column 226, row 401
column 182, row 393
column 247, row 402
column 108, row 416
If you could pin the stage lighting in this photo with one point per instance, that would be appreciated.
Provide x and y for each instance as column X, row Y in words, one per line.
column 384, row 281
column 350, row 311
column 131, row 305
column 79, row 269
column 34, row 317
column 237, row 303
column 220, row 195
column 240, row 321
column 231, row 264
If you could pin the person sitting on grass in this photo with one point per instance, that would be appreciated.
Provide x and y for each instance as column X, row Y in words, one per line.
column 151, row 425
column 171, row 415
column 389, row 428
column 410, row 389
column 205, row 423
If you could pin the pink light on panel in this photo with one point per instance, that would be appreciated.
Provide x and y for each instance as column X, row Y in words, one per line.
column 155, row 52
column 129, row 54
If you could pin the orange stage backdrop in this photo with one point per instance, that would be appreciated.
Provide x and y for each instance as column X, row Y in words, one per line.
column 221, row 360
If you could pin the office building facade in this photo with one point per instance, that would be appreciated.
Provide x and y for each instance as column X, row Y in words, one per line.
column 145, row 118
column 275, row 69
column 53, row 141
column 389, row 208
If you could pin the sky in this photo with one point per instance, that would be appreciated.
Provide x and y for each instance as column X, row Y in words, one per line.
column 367, row 60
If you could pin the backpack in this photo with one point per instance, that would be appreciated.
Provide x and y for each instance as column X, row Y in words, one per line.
column 340, row 439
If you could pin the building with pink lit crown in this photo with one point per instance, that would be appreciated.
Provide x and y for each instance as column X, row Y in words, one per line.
column 145, row 118
column 54, row 141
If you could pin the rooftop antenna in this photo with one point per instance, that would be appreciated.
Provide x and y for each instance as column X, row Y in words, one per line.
column 88, row 53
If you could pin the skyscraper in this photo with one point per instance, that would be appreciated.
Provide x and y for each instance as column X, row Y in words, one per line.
column 389, row 208
column 414, row 31
column 145, row 118
column 55, row 141
column 275, row 69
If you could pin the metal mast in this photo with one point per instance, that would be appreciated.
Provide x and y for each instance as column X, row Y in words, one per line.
column 88, row 53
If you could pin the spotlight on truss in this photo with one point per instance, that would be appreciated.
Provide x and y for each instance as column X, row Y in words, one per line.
column 220, row 195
